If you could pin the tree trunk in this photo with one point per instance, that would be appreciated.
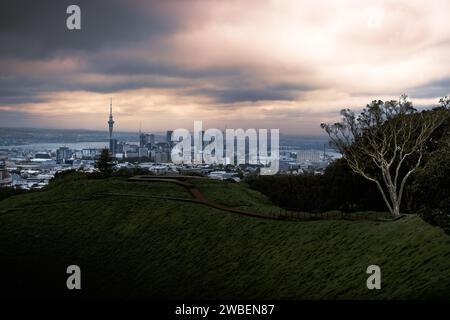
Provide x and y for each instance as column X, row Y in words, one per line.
column 393, row 205
column 396, row 209
column 395, row 200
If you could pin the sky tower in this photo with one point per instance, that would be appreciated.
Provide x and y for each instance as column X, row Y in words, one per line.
column 110, row 121
column 112, row 142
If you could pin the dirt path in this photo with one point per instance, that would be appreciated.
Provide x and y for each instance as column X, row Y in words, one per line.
column 200, row 198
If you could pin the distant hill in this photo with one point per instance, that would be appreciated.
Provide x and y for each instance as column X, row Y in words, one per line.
column 133, row 246
column 27, row 136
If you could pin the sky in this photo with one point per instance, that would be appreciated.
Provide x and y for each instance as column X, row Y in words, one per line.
column 286, row 64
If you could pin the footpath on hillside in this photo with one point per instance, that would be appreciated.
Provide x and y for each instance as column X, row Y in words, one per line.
column 200, row 198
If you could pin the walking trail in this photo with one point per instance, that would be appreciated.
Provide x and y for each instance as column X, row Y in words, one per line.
column 200, row 198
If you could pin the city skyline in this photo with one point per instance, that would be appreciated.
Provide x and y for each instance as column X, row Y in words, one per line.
column 260, row 64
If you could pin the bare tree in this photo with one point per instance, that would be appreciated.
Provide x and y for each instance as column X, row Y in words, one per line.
column 385, row 143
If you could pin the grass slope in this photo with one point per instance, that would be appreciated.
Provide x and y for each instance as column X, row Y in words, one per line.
column 154, row 248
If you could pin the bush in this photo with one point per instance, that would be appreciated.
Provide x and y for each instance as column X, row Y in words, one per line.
column 7, row 192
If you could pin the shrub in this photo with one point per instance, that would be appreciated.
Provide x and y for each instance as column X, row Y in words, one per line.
column 7, row 192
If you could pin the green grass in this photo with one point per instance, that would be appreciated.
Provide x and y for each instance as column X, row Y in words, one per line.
column 153, row 248
column 236, row 195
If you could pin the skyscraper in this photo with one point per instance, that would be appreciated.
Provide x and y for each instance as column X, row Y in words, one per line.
column 63, row 154
column 169, row 135
column 146, row 140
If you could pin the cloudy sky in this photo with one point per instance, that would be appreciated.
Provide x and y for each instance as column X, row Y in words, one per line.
column 288, row 64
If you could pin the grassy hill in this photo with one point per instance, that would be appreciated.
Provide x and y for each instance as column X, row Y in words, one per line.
column 136, row 246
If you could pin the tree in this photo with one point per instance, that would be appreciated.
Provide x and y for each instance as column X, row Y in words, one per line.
column 385, row 143
column 430, row 188
column 104, row 163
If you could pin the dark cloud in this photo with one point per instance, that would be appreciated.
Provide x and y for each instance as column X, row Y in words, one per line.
column 434, row 89
column 16, row 119
column 243, row 92
column 37, row 29
column 244, row 95
column 112, row 65
column 19, row 90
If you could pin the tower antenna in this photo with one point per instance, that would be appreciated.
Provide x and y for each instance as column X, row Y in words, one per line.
column 110, row 121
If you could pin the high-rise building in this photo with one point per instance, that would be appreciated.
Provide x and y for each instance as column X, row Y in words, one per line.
column 119, row 147
column 146, row 140
column 5, row 178
column 2, row 170
column 113, row 146
column 151, row 138
column 169, row 136
column 161, row 157
column 63, row 154
column 143, row 152
column 308, row 156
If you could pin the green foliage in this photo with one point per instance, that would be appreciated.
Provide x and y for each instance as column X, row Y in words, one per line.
column 430, row 191
column 129, row 172
column 104, row 163
column 7, row 192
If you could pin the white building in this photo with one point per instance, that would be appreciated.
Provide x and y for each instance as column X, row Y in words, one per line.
column 304, row 156
column 221, row 175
